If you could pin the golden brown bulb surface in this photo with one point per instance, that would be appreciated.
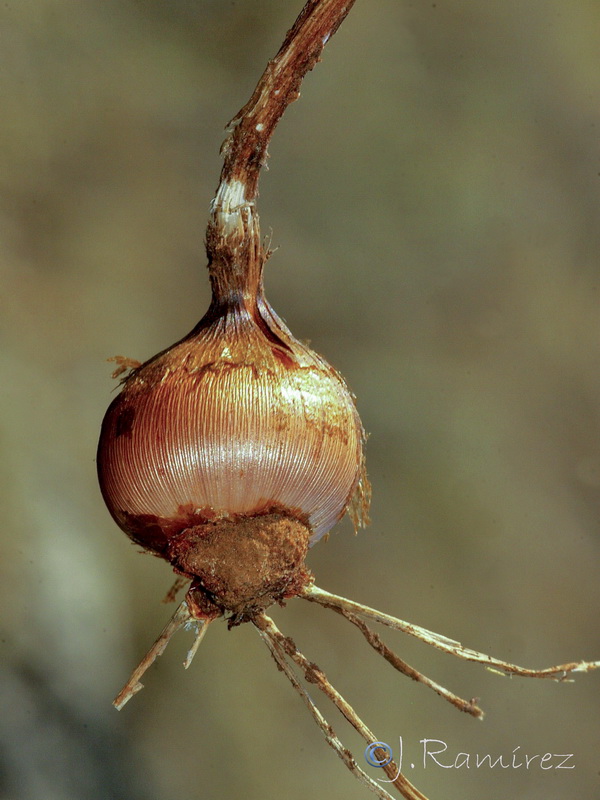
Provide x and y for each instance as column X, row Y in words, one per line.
column 238, row 419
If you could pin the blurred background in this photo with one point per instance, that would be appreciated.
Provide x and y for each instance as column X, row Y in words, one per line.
column 434, row 196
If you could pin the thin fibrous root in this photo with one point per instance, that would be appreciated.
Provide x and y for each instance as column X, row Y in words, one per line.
column 557, row 673
column 178, row 585
column 201, row 626
column 180, row 618
column 468, row 706
column 326, row 729
column 282, row 646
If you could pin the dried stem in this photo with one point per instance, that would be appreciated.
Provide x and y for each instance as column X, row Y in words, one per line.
column 180, row 618
column 249, row 132
column 314, row 675
column 557, row 673
column 235, row 251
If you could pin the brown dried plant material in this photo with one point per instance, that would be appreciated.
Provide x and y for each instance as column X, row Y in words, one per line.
column 179, row 584
column 123, row 364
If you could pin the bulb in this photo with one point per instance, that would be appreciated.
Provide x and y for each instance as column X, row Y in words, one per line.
column 233, row 451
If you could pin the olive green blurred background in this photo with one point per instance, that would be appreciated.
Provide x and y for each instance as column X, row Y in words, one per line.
column 435, row 198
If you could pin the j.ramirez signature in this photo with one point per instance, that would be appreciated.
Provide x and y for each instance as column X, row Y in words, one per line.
column 435, row 752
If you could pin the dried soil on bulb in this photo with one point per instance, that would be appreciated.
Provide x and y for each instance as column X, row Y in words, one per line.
column 244, row 565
